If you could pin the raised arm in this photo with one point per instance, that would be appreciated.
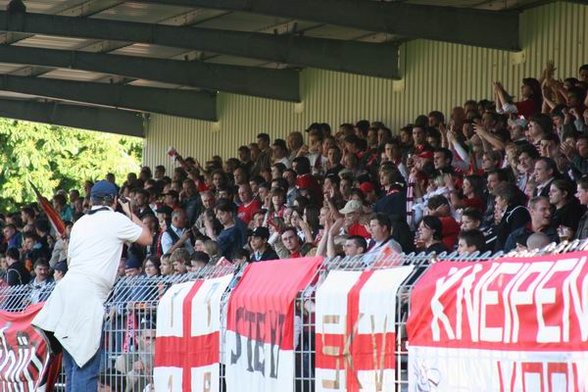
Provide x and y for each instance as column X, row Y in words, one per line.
column 146, row 238
column 485, row 135
column 333, row 232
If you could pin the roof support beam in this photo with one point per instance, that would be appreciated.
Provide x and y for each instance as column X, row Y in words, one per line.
column 347, row 56
column 490, row 29
column 260, row 82
column 183, row 103
column 93, row 118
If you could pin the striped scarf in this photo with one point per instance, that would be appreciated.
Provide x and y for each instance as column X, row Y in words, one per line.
column 409, row 204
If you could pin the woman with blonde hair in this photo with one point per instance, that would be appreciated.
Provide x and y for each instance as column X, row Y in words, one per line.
column 212, row 249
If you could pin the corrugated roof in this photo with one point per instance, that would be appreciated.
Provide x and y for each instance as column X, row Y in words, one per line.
column 173, row 15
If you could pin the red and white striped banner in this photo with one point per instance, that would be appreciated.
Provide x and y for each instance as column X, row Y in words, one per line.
column 24, row 354
column 187, row 347
column 505, row 325
column 355, row 330
column 260, row 325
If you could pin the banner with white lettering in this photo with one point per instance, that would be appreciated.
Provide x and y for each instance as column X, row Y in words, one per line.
column 260, row 332
column 355, row 330
column 24, row 353
column 505, row 325
column 187, row 347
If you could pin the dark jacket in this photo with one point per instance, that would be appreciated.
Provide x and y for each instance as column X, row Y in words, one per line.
column 231, row 239
column 569, row 215
column 514, row 218
column 582, row 231
column 437, row 248
column 17, row 274
column 268, row 254
column 193, row 207
column 392, row 204
column 520, row 236
column 545, row 190
column 579, row 165
column 402, row 234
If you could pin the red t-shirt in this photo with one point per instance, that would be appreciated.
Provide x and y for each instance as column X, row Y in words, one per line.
column 360, row 230
column 450, row 230
column 246, row 211
column 475, row 202
column 527, row 108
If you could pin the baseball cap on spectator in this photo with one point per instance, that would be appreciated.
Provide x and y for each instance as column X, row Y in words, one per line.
column 61, row 266
column 103, row 188
column 262, row 232
column 132, row 262
column 366, row 187
column 352, row 206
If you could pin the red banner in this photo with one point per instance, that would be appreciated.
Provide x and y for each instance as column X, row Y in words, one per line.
column 260, row 324
column 24, row 354
column 518, row 324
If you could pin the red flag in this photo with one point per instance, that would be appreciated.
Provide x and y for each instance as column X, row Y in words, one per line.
column 260, row 325
column 51, row 213
column 26, row 354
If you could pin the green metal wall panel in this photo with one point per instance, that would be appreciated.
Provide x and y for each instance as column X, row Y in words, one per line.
column 435, row 76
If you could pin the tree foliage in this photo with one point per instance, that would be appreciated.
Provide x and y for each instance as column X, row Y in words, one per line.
column 53, row 158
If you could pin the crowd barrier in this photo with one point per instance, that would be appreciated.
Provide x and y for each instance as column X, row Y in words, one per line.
column 394, row 323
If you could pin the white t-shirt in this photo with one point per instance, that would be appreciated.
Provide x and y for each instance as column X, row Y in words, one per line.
column 96, row 244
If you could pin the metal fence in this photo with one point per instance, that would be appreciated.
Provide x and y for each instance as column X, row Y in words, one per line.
column 128, row 340
column 129, row 327
column 305, row 340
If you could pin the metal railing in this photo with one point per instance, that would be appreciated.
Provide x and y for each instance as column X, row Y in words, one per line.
column 129, row 325
column 129, row 328
column 306, row 299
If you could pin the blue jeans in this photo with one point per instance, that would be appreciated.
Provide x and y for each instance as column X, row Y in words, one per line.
column 81, row 379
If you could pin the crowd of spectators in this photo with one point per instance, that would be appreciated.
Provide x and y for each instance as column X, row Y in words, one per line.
column 496, row 175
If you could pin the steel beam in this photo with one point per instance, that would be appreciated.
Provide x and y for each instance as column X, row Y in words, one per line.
column 183, row 103
column 260, row 82
column 489, row 29
column 348, row 56
column 77, row 116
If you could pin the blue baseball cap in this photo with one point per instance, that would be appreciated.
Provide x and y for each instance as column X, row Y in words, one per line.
column 103, row 188
column 61, row 266
column 262, row 232
column 133, row 262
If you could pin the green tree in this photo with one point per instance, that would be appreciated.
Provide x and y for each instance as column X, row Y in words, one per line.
column 53, row 158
